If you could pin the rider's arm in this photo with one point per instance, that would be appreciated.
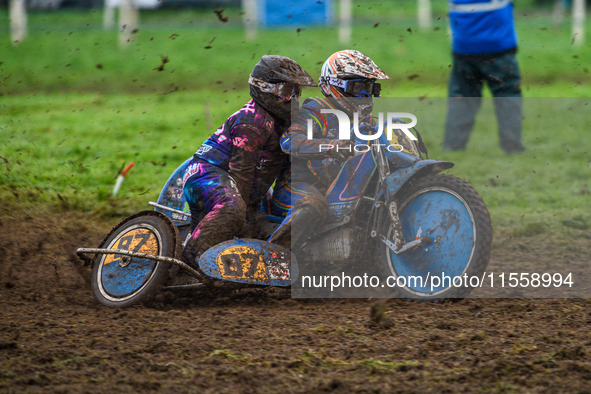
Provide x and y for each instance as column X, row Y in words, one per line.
column 247, row 141
column 295, row 140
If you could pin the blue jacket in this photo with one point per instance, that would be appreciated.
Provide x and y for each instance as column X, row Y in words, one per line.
column 309, row 162
column 482, row 26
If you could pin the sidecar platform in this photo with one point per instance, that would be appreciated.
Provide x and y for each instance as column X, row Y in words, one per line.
column 251, row 261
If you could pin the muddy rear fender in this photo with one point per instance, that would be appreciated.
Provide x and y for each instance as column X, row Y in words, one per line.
column 398, row 178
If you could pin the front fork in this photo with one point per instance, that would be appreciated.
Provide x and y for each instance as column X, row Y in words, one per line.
column 397, row 235
column 398, row 245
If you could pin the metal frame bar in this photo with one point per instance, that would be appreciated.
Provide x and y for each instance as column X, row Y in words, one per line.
column 154, row 204
column 183, row 265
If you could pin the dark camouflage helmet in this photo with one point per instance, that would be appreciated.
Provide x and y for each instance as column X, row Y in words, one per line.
column 276, row 84
column 277, row 69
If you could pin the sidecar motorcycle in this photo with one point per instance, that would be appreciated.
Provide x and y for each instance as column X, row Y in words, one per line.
column 391, row 204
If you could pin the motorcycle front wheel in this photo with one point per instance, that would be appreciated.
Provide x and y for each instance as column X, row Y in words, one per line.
column 121, row 281
column 453, row 218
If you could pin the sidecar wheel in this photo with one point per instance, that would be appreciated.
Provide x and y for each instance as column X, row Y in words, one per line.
column 455, row 218
column 121, row 281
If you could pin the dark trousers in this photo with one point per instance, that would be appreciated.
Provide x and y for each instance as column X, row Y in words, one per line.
column 501, row 74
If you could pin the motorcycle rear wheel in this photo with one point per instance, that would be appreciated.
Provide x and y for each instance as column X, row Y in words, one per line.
column 455, row 218
column 122, row 281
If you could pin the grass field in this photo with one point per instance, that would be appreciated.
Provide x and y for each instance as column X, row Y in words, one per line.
column 69, row 50
column 74, row 108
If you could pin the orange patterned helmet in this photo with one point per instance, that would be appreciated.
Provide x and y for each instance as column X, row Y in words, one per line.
column 353, row 66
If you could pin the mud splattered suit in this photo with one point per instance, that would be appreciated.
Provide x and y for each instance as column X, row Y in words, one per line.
column 229, row 174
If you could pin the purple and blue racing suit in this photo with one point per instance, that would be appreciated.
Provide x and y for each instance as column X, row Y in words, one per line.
column 229, row 174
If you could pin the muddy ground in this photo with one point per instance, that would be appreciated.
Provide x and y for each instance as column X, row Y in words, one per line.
column 55, row 338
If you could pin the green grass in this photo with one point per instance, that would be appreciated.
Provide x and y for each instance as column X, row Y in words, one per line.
column 70, row 51
column 74, row 108
column 75, row 145
column 66, row 151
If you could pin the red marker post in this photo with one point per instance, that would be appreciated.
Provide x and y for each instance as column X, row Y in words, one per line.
column 121, row 177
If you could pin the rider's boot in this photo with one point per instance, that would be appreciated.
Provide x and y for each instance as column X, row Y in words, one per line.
column 191, row 253
column 301, row 221
column 190, row 256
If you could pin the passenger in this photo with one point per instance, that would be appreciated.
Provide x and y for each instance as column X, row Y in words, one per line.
column 235, row 167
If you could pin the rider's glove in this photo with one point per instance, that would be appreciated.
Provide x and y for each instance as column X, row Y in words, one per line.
column 341, row 149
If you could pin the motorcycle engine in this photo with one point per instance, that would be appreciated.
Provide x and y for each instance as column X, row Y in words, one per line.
column 337, row 246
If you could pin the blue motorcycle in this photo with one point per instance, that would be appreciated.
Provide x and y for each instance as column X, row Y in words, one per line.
column 388, row 204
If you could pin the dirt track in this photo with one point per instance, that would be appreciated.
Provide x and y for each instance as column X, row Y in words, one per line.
column 55, row 338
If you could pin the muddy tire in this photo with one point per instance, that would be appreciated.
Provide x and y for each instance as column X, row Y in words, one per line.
column 454, row 217
column 121, row 281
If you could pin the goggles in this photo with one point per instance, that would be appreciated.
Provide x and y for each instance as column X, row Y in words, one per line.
column 355, row 87
column 285, row 91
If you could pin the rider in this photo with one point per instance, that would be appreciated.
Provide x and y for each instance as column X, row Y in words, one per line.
column 348, row 82
column 234, row 168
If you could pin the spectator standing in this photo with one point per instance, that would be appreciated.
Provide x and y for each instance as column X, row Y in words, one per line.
column 484, row 45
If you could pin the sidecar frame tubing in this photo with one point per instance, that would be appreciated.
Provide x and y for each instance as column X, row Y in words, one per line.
column 81, row 251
